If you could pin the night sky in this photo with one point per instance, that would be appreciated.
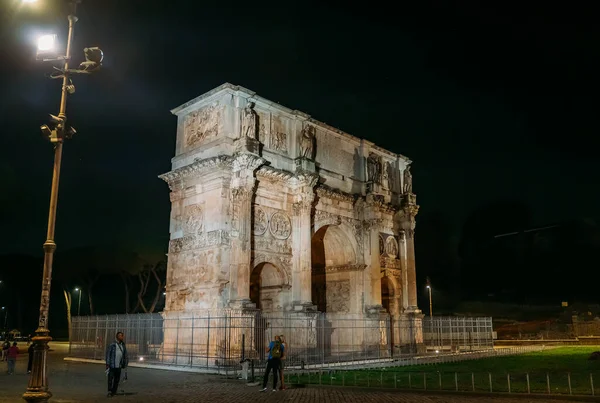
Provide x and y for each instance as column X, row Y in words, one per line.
column 495, row 105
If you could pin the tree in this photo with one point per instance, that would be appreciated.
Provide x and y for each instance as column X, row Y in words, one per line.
column 68, row 300
column 145, row 276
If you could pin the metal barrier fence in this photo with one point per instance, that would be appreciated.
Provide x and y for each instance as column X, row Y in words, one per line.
column 540, row 382
column 458, row 333
column 223, row 338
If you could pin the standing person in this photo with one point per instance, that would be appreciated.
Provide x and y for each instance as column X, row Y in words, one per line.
column 30, row 361
column 116, row 359
column 275, row 351
column 283, row 355
column 5, row 348
column 13, row 352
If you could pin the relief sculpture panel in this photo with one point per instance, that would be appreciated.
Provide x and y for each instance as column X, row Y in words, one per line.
column 193, row 219
column 260, row 221
column 338, row 296
column 202, row 125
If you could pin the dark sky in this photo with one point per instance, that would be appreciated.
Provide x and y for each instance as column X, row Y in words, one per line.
column 491, row 103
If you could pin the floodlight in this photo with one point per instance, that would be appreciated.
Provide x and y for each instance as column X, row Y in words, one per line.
column 46, row 43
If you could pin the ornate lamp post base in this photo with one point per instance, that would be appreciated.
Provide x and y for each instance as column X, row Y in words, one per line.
column 37, row 389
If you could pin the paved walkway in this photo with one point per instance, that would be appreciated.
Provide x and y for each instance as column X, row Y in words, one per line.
column 77, row 382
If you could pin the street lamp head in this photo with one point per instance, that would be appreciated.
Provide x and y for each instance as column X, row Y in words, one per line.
column 46, row 43
column 428, row 286
column 76, row 288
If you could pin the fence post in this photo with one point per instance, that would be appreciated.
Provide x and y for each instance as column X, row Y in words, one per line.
column 473, row 380
column 192, row 344
column 395, row 381
column 440, row 379
column 592, row 383
column 528, row 387
column 208, row 339
column 508, row 381
column 456, row 381
column 490, row 379
column 569, row 380
column 548, row 382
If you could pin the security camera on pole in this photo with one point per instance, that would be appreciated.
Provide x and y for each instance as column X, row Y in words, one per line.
column 56, row 133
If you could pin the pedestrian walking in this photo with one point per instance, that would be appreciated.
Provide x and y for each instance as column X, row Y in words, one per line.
column 275, row 350
column 116, row 360
column 284, row 346
column 13, row 352
column 30, row 360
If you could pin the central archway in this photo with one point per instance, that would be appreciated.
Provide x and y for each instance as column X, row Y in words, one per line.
column 331, row 248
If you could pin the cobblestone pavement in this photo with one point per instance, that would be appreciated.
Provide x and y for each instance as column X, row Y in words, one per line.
column 78, row 382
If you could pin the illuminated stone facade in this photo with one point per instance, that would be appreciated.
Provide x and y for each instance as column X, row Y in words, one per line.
column 273, row 210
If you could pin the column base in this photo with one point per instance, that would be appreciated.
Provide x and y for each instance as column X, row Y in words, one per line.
column 303, row 307
column 372, row 310
column 242, row 304
column 411, row 331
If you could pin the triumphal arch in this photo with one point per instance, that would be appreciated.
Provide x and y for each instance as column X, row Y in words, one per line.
column 275, row 211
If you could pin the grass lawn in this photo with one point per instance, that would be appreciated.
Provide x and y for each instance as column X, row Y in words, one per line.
column 554, row 363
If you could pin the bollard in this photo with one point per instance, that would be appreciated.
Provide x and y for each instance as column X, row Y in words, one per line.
column 592, row 383
column 490, row 378
column 252, row 369
column 424, row 381
column 409, row 381
column 344, row 378
column 473, row 381
column 569, row 380
column 528, row 387
column 440, row 379
column 456, row 381
column 381, row 378
column 395, row 381
column 548, row 382
column 508, row 381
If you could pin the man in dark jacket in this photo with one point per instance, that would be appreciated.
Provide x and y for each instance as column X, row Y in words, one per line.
column 116, row 359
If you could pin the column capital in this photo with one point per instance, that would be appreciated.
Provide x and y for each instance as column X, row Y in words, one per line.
column 242, row 193
column 303, row 206
column 246, row 161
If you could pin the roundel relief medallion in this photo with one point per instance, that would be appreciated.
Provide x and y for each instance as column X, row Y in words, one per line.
column 260, row 221
column 280, row 226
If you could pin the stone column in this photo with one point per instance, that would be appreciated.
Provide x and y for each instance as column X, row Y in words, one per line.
column 242, row 192
column 407, row 223
column 411, row 318
column 373, row 223
column 301, row 241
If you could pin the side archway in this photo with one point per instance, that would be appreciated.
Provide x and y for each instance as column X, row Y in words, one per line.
column 268, row 284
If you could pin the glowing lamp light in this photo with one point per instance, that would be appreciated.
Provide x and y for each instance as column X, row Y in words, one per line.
column 46, row 43
column 141, row 358
column 29, row 1
column 76, row 289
